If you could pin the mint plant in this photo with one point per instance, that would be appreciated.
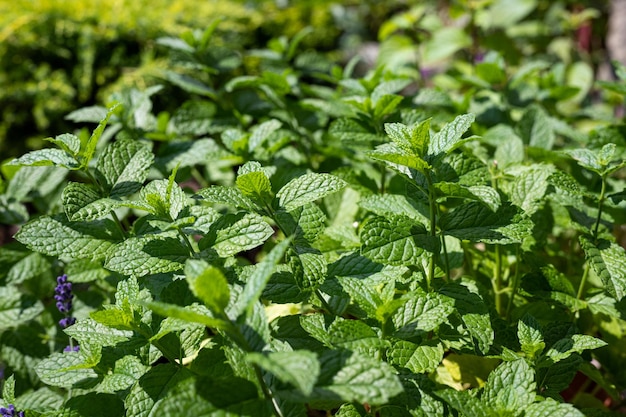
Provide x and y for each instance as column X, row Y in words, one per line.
column 300, row 241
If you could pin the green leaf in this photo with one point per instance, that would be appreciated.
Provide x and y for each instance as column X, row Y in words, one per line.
column 235, row 233
column 92, row 142
column 308, row 188
column 125, row 373
column 530, row 336
column 504, row 13
column 188, row 314
column 47, row 157
column 474, row 313
column 510, row 387
column 444, row 42
column 56, row 236
column 213, row 397
column 256, row 186
column 299, row 368
column 419, row 359
column 467, row 404
column 308, row 266
column 94, row 333
column 93, row 404
column 394, row 204
column 353, row 131
column 123, row 167
column 8, row 389
column 187, row 153
column 152, row 388
column 536, row 128
column 586, row 158
column 163, row 199
column 17, row 308
column 76, row 196
column 449, row 137
column 262, row 132
column 147, row 255
column 421, row 313
column 210, row 286
column 395, row 240
column 354, row 335
column 259, row 278
column 477, row 223
column 64, row 370
column 608, row 261
column 67, row 142
column 230, row 196
column 484, row 194
column 390, row 153
column 550, row 408
column 352, row 377
column 530, row 186
column 412, row 139
column 565, row 347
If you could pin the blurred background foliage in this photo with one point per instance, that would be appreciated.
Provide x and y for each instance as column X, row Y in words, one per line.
column 60, row 55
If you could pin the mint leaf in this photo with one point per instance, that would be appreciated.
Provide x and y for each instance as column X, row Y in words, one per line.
column 209, row 284
column 308, row 266
column 229, row 196
column 89, row 331
column 354, row 335
column 47, row 157
column 530, row 336
column 536, row 129
column 147, row 255
column 152, row 388
column 395, row 240
column 259, row 278
column 163, row 198
column 395, row 204
column 352, row 377
column 421, row 313
column 299, row 368
column 467, row 404
column 17, row 308
column 449, row 137
column 565, row 347
column 262, row 132
column 550, row 408
column 67, row 142
column 76, row 196
column 510, row 387
column 234, row 233
column 477, row 223
column 391, row 153
column 412, row 139
column 487, row 195
column 529, row 188
column 419, row 359
column 56, row 236
column 256, row 186
column 92, row 142
column 64, row 370
column 308, row 188
column 608, row 261
column 123, row 167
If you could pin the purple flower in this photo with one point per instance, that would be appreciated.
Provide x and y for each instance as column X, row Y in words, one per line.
column 10, row 412
column 63, row 296
column 69, row 348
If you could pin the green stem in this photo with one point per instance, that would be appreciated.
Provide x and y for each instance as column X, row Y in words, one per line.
column 583, row 282
column 192, row 251
column 267, row 392
column 600, row 207
column 445, row 257
column 497, row 283
column 515, row 283
column 433, row 228
column 118, row 223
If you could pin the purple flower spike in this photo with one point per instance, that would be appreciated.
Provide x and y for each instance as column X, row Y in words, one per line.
column 69, row 348
column 63, row 296
column 10, row 412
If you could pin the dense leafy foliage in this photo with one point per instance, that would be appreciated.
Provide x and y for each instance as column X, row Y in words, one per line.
column 297, row 239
